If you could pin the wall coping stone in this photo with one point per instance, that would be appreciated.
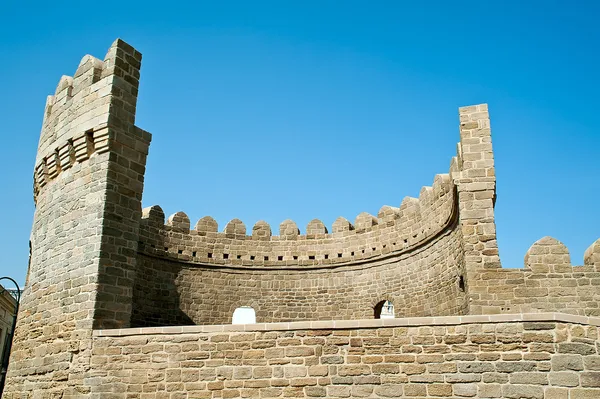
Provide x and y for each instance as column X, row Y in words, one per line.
column 353, row 324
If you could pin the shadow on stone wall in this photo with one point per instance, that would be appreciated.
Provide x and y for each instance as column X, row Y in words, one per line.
column 156, row 300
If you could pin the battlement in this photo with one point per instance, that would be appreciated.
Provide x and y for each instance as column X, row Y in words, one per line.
column 548, row 281
column 98, row 261
column 548, row 255
column 393, row 231
column 79, row 116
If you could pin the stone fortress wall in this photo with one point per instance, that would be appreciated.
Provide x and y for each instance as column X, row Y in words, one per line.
column 411, row 255
column 87, row 187
column 120, row 303
column 504, row 356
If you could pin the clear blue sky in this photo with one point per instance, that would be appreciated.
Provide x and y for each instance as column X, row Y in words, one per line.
column 314, row 109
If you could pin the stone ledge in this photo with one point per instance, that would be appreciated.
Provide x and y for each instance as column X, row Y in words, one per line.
column 354, row 324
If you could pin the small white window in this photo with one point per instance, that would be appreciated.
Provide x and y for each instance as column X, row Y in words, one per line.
column 244, row 315
column 384, row 310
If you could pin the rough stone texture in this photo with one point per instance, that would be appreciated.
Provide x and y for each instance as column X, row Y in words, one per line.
column 100, row 262
column 88, row 187
column 476, row 181
column 438, row 359
column 424, row 282
column 547, row 283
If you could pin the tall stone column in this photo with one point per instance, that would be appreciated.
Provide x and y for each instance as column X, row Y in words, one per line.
column 476, row 185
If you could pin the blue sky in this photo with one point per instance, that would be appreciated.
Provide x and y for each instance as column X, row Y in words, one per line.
column 302, row 110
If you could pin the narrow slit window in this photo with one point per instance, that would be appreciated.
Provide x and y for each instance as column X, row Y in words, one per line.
column 57, row 161
column 89, row 142
column 71, row 149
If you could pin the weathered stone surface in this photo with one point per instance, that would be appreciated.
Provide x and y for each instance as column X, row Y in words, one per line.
column 98, row 262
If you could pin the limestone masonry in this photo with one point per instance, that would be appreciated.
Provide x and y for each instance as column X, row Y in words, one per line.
column 123, row 302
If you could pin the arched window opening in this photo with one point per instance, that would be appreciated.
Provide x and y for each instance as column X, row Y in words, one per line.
column 244, row 315
column 384, row 310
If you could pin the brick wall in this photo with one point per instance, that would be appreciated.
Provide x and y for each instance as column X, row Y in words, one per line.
column 415, row 223
column 87, row 186
column 521, row 356
column 547, row 283
column 98, row 261
column 424, row 282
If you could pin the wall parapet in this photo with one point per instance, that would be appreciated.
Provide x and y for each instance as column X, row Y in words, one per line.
column 79, row 118
column 415, row 223
column 356, row 324
column 538, row 358
column 547, row 282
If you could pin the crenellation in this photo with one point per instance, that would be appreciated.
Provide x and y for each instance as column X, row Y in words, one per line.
column 83, row 103
column 206, row 225
column 179, row 222
column 341, row 225
column 288, row 230
column 154, row 215
column 235, row 229
column 261, row 231
column 412, row 302
column 317, row 247
column 591, row 256
column 388, row 215
column 547, row 255
column 88, row 72
column 549, row 282
column 316, row 229
column 388, row 230
column 364, row 222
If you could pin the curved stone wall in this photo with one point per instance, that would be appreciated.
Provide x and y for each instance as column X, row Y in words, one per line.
column 395, row 230
column 99, row 262
column 423, row 281
column 412, row 255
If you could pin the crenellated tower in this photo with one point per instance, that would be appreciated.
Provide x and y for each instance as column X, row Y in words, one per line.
column 88, row 181
column 124, row 302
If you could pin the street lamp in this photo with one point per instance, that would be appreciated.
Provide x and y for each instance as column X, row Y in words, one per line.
column 9, row 337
